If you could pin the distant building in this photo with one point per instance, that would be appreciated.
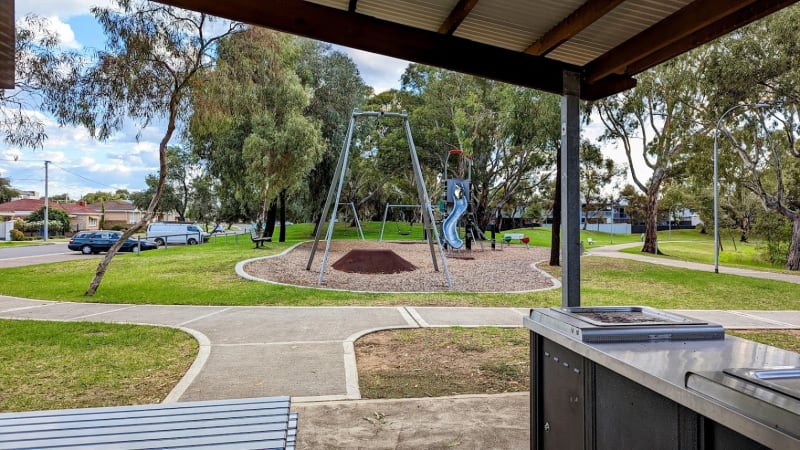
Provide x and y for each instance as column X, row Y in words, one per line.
column 81, row 217
column 23, row 195
column 118, row 212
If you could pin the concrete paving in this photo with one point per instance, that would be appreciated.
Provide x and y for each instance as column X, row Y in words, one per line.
column 308, row 353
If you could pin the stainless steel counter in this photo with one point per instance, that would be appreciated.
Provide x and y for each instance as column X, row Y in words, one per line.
column 662, row 365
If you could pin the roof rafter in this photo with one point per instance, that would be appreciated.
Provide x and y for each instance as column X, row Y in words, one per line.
column 352, row 5
column 576, row 22
column 456, row 16
column 426, row 47
column 724, row 26
column 691, row 18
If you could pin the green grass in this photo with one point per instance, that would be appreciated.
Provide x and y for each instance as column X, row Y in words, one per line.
column 741, row 254
column 52, row 365
column 204, row 275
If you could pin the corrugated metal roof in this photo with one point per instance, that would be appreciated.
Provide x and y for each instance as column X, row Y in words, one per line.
column 512, row 24
column 616, row 27
column 525, row 42
column 422, row 14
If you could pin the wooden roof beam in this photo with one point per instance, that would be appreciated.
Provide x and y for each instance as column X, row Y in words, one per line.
column 689, row 19
column 722, row 27
column 576, row 22
column 352, row 5
column 362, row 32
column 456, row 16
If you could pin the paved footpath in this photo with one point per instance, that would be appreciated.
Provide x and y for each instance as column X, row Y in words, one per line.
column 307, row 352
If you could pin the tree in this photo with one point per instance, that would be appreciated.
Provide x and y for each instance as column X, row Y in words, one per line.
column 661, row 111
column 596, row 173
column 37, row 63
column 6, row 191
column 755, row 64
column 181, row 165
column 146, row 72
column 102, row 196
column 53, row 215
column 169, row 200
column 248, row 121
column 203, row 205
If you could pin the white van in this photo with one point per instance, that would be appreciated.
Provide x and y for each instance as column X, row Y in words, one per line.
column 176, row 233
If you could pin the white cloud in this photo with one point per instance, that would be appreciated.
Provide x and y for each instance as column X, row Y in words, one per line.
column 64, row 32
column 380, row 72
column 59, row 8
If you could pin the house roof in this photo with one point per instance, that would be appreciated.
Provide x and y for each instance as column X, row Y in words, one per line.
column 524, row 42
column 28, row 205
column 114, row 205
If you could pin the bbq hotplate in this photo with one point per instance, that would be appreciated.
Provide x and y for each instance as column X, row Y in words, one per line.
column 625, row 323
column 770, row 395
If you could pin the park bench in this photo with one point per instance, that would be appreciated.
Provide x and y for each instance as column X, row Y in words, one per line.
column 508, row 237
column 258, row 240
column 590, row 241
column 264, row 422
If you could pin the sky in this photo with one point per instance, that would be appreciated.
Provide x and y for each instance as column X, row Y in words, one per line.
column 81, row 164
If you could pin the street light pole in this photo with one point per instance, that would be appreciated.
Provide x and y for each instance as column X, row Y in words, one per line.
column 716, row 177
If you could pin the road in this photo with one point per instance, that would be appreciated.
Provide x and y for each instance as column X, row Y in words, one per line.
column 38, row 254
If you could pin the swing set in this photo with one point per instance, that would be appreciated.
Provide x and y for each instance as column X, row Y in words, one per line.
column 400, row 231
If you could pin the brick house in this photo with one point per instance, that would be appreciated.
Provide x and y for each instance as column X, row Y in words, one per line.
column 81, row 217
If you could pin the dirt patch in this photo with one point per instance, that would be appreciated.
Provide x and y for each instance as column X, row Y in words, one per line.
column 435, row 362
column 373, row 261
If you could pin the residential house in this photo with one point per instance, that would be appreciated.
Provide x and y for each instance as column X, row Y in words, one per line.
column 80, row 216
column 118, row 212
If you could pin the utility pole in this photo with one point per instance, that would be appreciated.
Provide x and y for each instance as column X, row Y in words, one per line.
column 46, row 203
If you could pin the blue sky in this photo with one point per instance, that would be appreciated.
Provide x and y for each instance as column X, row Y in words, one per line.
column 81, row 164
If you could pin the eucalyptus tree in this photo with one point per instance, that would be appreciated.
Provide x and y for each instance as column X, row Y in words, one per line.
column 657, row 120
column 336, row 90
column 495, row 125
column 38, row 62
column 596, row 173
column 248, row 121
column 754, row 77
column 145, row 73
column 6, row 191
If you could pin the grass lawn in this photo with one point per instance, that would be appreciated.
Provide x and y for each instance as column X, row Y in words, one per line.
column 53, row 365
column 204, row 275
column 46, row 365
column 742, row 254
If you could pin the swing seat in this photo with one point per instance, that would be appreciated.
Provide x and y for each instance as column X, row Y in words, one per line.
column 403, row 232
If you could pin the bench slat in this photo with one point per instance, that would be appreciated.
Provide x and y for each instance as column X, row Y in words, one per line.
column 242, row 423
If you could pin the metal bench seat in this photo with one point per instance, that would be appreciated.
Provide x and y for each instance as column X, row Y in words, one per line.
column 219, row 424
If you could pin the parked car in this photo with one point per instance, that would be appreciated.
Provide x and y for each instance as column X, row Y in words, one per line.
column 176, row 233
column 88, row 242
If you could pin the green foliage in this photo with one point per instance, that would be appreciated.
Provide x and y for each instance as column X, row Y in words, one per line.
column 776, row 233
column 6, row 191
column 17, row 235
column 58, row 219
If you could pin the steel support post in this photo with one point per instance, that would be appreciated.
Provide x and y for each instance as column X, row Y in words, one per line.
column 570, row 191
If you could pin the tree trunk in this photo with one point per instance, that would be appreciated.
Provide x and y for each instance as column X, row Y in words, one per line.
column 555, row 231
column 282, row 235
column 269, row 226
column 651, row 222
column 793, row 259
column 151, row 208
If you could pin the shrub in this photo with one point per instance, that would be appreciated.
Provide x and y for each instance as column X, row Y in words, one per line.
column 119, row 227
column 17, row 235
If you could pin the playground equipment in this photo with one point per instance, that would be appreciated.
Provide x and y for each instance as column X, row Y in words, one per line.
column 339, row 179
column 386, row 214
column 450, row 224
column 457, row 194
column 355, row 217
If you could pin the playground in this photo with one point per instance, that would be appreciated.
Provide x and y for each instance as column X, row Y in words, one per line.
column 511, row 269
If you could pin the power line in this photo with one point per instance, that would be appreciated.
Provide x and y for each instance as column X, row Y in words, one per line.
column 83, row 177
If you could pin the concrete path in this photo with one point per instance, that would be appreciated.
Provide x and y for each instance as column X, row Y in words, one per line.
column 307, row 352
column 613, row 251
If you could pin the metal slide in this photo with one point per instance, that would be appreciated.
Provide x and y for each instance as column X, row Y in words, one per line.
column 450, row 224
